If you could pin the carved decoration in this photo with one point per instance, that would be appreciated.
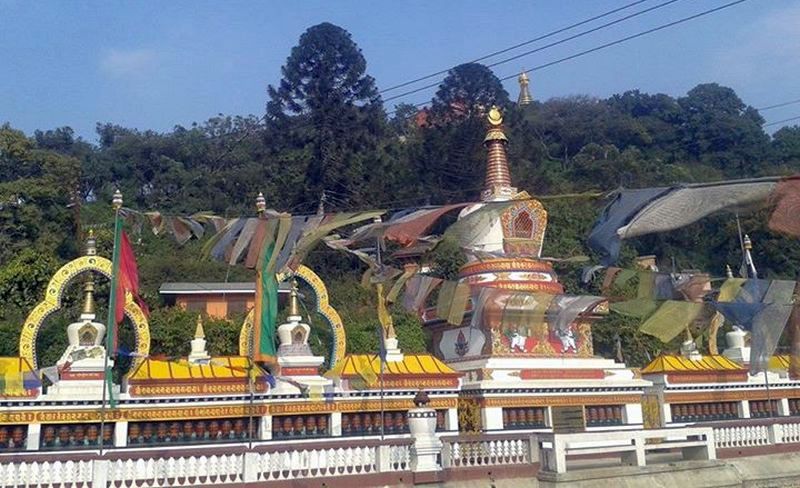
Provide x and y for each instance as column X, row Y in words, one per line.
column 52, row 302
column 323, row 308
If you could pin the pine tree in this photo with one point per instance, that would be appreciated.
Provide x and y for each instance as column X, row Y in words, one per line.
column 327, row 105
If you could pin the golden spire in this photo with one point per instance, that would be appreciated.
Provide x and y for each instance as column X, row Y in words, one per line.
column 497, row 185
column 199, row 333
column 294, row 304
column 88, row 300
column 728, row 271
column 525, row 97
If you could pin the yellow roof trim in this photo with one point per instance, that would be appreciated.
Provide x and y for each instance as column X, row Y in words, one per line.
column 673, row 363
column 225, row 367
column 411, row 365
column 14, row 364
column 781, row 362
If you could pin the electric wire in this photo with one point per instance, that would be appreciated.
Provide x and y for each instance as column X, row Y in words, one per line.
column 546, row 46
column 782, row 121
column 516, row 46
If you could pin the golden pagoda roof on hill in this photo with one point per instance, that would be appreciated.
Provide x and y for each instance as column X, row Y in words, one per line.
column 673, row 363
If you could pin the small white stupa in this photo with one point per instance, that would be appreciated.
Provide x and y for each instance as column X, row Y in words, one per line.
column 199, row 352
column 81, row 367
column 295, row 358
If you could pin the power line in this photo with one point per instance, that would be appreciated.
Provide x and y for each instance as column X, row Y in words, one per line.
column 516, row 46
column 631, row 37
column 782, row 121
column 778, row 105
column 547, row 46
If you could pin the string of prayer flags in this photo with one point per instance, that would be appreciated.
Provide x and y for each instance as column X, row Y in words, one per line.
column 418, row 288
column 670, row 319
column 768, row 326
column 785, row 199
column 730, row 289
column 634, row 213
column 639, row 308
column 524, row 310
column 568, row 308
column 394, row 291
column 452, row 302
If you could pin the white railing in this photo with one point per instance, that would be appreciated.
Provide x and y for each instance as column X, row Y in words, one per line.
column 67, row 474
column 485, row 451
column 190, row 470
column 155, row 468
column 742, row 436
column 730, row 436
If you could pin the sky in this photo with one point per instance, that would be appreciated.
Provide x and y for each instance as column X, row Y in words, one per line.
column 154, row 65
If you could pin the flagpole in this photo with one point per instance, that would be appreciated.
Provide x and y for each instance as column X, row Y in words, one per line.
column 382, row 336
column 116, row 203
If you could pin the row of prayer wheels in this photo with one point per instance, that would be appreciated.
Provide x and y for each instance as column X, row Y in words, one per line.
column 189, row 431
column 13, row 437
column 524, row 418
column 761, row 408
column 75, row 436
column 604, row 415
column 693, row 412
column 286, row 426
column 794, row 406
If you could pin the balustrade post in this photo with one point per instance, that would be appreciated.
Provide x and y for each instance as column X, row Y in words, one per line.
column 250, row 465
column 426, row 451
column 100, row 469
column 533, row 450
column 775, row 434
column 383, row 458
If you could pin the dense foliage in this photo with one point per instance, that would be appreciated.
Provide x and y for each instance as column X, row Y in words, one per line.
column 326, row 130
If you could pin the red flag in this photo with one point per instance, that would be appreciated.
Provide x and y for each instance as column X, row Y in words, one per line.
column 127, row 280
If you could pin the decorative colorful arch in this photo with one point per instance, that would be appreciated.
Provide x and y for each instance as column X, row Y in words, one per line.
column 52, row 302
column 323, row 307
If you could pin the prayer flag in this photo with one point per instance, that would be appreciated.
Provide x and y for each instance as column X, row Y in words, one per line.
column 265, row 315
column 670, row 319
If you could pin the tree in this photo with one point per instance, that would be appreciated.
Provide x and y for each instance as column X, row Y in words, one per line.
column 721, row 130
column 328, row 113
column 469, row 90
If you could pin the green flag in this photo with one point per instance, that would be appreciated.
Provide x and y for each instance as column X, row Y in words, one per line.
column 111, row 326
column 670, row 319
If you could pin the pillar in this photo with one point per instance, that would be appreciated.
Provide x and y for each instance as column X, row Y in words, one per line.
column 666, row 408
column 783, row 407
column 744, row 409
column 120, row 434
column 492, row 418
column 34, row 432
column 265, row 427
column 451, row 420
column 336, row 424
column 632, row 413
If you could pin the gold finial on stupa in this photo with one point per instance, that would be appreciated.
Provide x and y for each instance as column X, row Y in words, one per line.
column 294, row 303
column 728, row 271
column 88, row 300
column 525, row 97
column 497, row 184
column 199, row 333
